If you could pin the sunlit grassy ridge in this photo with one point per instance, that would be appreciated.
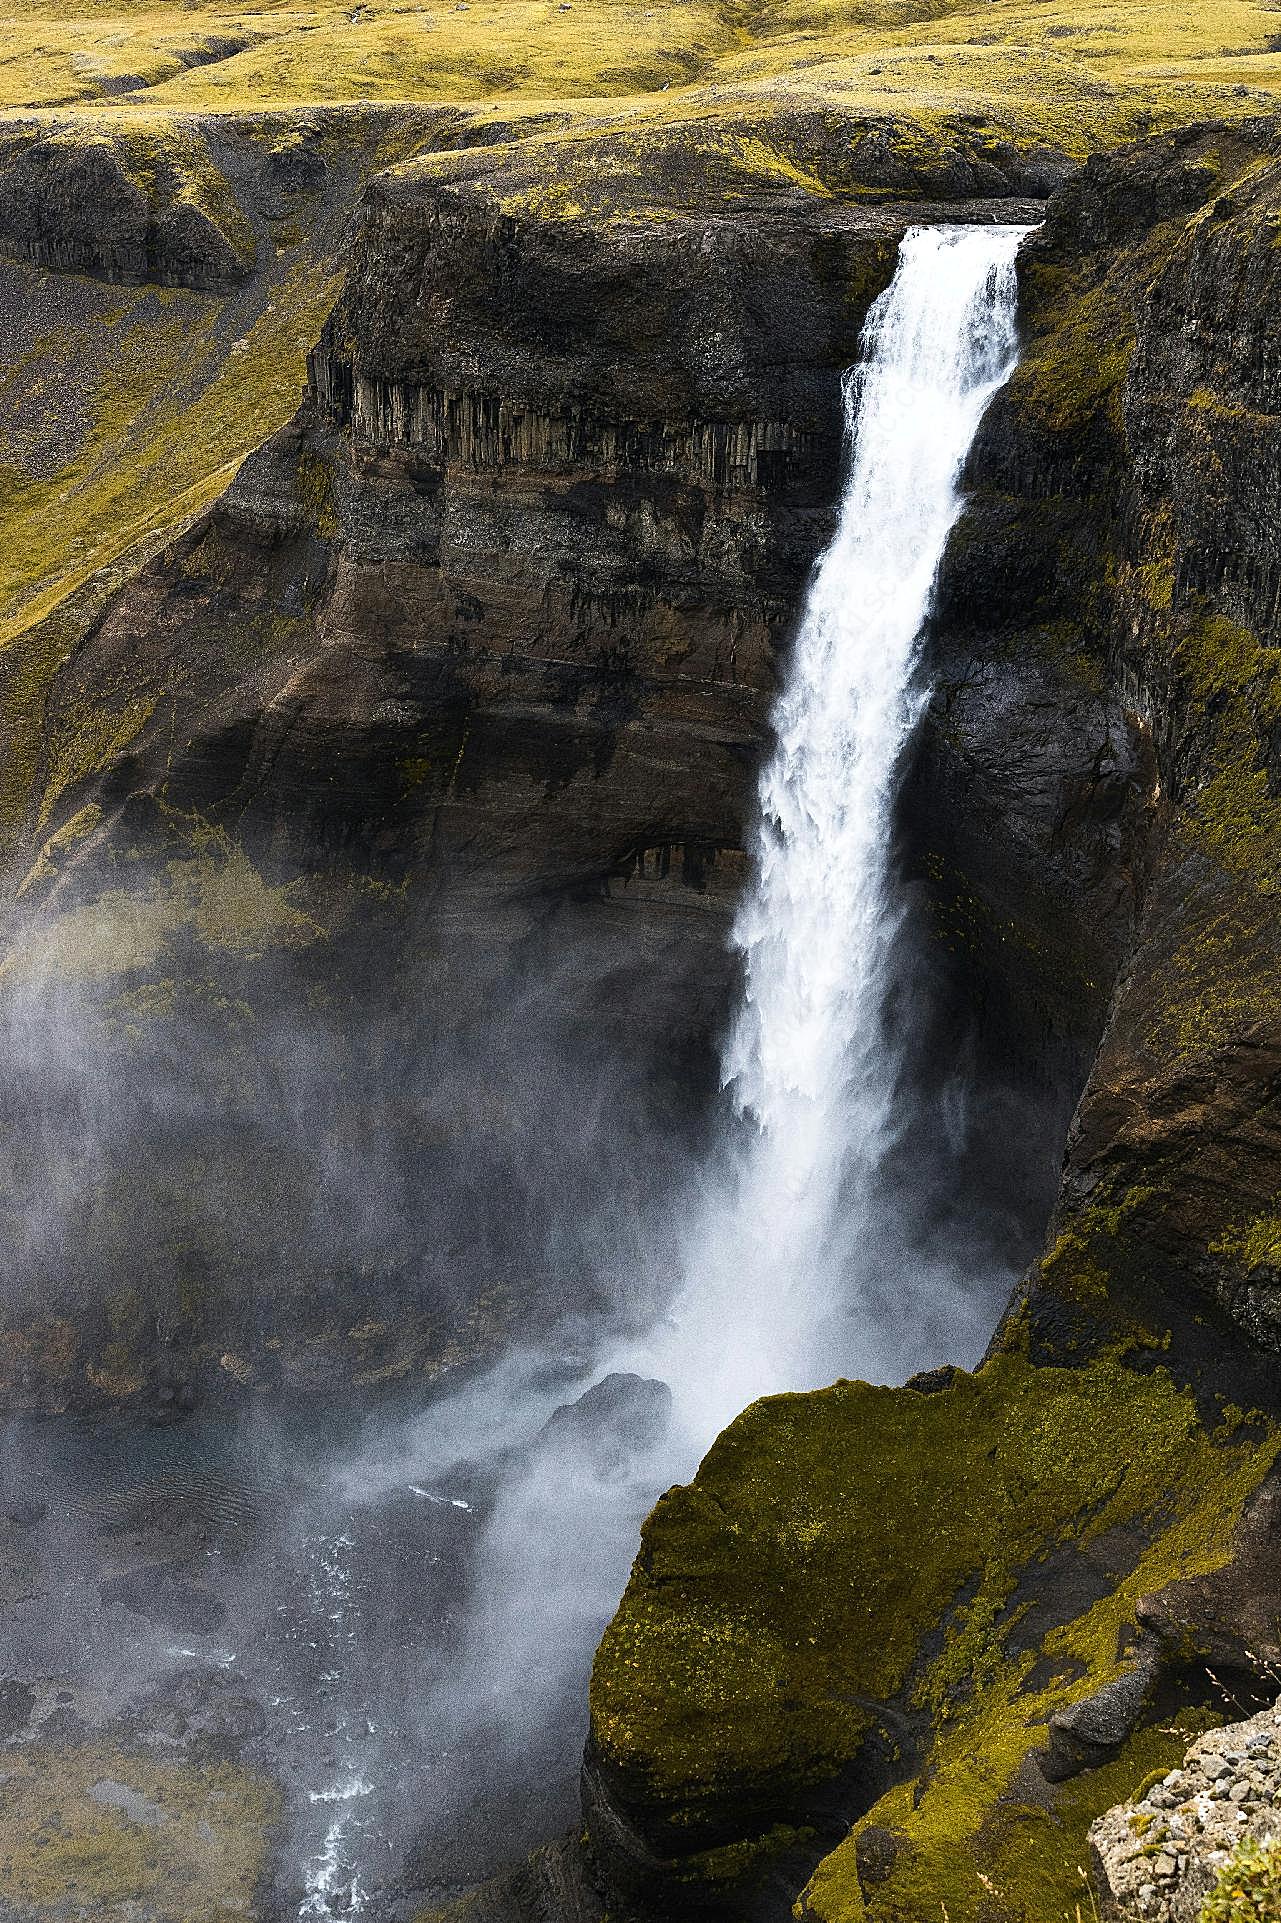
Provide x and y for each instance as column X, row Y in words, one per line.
column 210, row 56
column 163, row 390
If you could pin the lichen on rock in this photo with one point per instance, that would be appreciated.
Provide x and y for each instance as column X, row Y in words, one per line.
column 865, row 1611
column 1173, row 1853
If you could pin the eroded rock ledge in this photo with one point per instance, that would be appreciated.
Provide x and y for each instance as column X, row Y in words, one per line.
column 128, row 207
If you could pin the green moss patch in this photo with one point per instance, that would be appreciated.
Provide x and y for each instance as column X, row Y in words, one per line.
column 213, row 893
column 864, row 1547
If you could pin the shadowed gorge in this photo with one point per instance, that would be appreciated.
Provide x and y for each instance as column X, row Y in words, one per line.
column 636, row 658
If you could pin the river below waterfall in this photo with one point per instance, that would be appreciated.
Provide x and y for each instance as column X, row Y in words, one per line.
column 300, row 1597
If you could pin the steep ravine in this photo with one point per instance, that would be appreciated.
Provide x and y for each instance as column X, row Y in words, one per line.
column 452, row 701
column 394, row 805
column 953, row 1623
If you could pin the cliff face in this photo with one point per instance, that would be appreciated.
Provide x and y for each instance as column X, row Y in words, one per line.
column 555, row 484
column 451, row 702
column 1177, row 1133
column 458, row 690
column 954, row 1698
column 159, row 211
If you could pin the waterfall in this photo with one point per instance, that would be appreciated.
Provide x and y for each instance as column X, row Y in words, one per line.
column 782, row 1240
column 785, row 1231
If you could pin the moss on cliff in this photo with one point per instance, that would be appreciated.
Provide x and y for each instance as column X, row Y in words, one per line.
column 1222, row 981
column 175, row 387
column 1256, row 1243
column 1133, row 461
column 126, row 412
column 987, row 1843
column 210, row 892
column 1081, row 361
column 865, row 1560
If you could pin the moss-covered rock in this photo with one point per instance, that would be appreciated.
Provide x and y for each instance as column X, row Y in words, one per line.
column 865, row 1610
column 1106, row 626
column 93, row 1830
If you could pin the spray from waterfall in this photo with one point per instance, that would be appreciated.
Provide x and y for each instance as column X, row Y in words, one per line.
column 789, row 1232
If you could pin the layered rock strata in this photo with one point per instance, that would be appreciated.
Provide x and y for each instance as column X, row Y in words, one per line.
column 451, row 702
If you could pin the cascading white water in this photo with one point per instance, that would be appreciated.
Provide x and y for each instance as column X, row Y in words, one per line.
column 768, row 1250
column 806, row 1060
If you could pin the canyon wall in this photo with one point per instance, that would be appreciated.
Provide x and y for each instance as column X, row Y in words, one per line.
column 412, row 773
column 910, row 1643
column 453, row 700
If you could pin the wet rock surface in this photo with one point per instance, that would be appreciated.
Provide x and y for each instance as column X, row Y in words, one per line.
column 1145, row 481
column 485, row 640
column 619, row 1418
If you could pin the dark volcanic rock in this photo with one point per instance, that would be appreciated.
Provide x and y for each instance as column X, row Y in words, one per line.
column 1092, row 817
column 517, row 574
column 94, row 204
column 1091, row 1730
column 1136, row 454
column 17, row 1700
column 622, row 1417
column 553, row 1886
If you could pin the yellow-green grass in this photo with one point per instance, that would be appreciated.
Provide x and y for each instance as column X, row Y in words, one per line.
column 538, row 48
column 93, row 1831
column 838, row 1549
column 124, row 412
column 584, row 108
column 170, row 397
column 212, row 894
column 720, row 77
column 47, row 62
column 592, row 49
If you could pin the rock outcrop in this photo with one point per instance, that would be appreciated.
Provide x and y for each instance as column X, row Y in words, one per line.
column 1160, row 1856
column 845, row 1645
column 1149, row 482
column 362, row 813
column 85, row 204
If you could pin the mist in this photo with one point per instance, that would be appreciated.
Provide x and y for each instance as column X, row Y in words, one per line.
column 430, row 1261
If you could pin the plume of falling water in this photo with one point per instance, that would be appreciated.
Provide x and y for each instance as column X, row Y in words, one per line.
column 784, row 1230
column 807, row 1062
